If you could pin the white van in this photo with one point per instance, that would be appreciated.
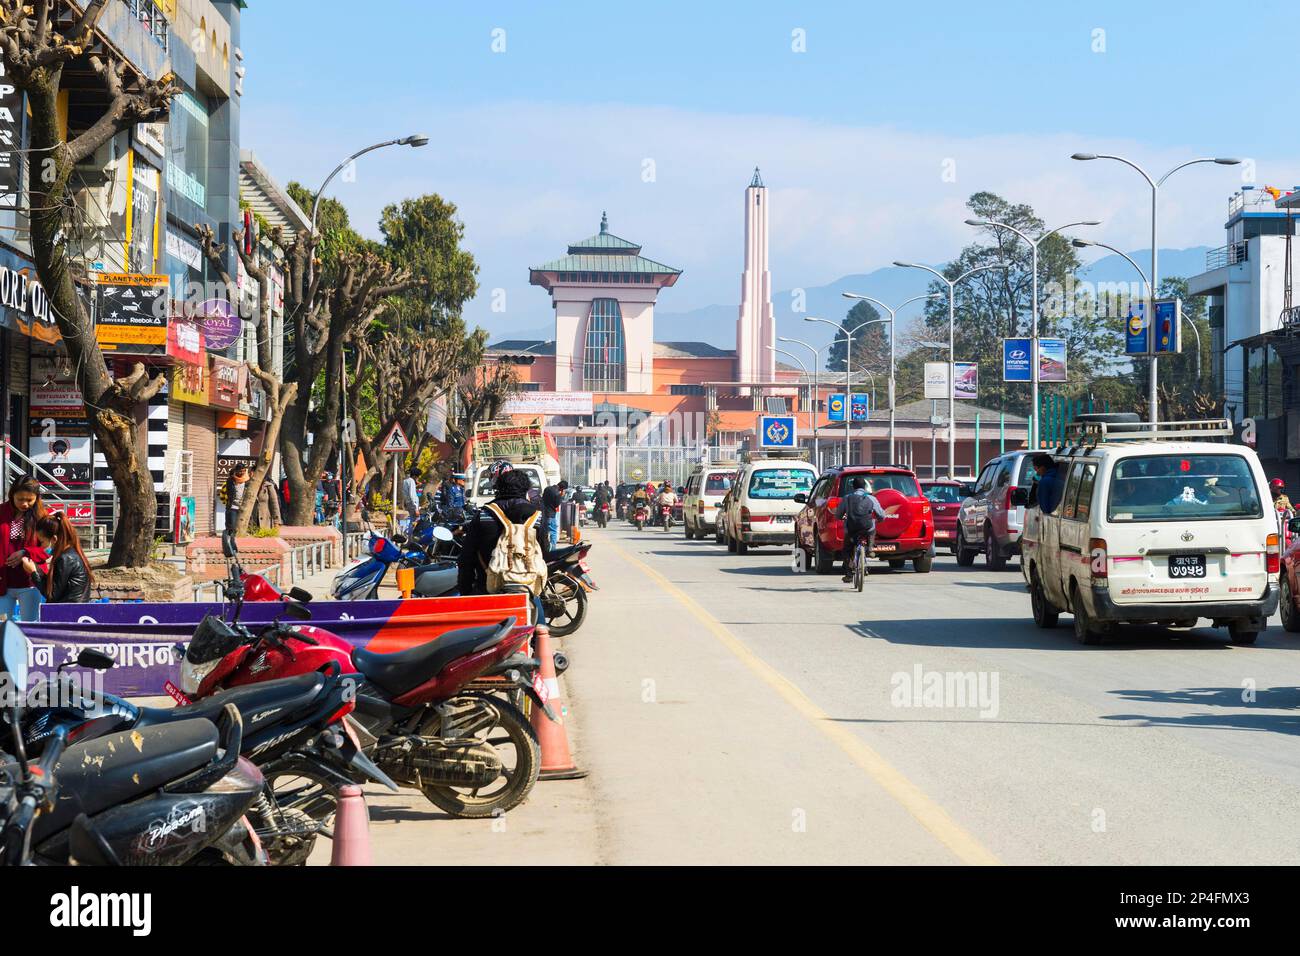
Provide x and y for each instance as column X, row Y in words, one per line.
column 1155, row 525
column 478, row 484
column 705, row 489
column 761, row 507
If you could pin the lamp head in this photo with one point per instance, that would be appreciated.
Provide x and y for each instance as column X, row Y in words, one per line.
column 1081, row 243
column 1084, row 156
column 416, row 139
column 978, row 222
column 1227, row 161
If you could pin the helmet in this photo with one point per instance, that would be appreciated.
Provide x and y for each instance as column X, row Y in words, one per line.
column 497, row 469
column 1277, row 484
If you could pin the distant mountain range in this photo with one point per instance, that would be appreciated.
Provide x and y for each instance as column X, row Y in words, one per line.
column 716, row 324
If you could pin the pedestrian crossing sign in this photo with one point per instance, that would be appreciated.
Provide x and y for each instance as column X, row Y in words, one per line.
column 396, row 440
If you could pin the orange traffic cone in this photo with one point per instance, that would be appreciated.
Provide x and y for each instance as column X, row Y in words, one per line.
column 351, row 829
column 557, row 763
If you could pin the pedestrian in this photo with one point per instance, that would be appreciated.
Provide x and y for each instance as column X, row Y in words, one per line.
column 1049, row 482
column 552, row 498
column 19, row 597
column 233, row 494
column 411, row 494
column 267, row 512
column 67, row 579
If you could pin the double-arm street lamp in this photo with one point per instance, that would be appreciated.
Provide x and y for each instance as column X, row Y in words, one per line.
column 1033, row 345
column 893, row 337
column 848, row 374
column 817, row 394
column 952, row 358
column 1154, row 278
column 416, row 139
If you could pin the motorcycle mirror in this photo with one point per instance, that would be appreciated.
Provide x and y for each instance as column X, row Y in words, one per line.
column 96, row 660
column 301, row 611
column 442, row 534
column 398, row 539
column 299, row 594
column 14, row 655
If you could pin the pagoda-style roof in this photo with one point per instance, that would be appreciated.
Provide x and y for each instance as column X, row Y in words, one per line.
column 604, row 254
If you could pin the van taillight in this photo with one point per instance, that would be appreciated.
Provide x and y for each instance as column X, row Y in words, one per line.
column 1273, row 555
column 1098, row 560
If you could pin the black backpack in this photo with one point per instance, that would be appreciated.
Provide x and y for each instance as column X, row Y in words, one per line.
column 858, row 511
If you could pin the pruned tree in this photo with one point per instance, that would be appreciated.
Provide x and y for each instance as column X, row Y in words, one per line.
column 278, row 395
column 479, row 397
column 38, row 39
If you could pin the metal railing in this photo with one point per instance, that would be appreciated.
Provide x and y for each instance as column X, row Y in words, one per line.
column 152, row 19
column 1228, row 255
column 307, row 559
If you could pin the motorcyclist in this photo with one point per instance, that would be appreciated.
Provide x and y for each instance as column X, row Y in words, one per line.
column 666, row 496
column 1277, row 488
column 860, row 511
column 640, row 498
column 601, row 501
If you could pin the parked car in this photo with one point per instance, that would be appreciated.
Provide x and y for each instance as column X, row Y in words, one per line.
column 945, row 496
column 720, row 523
column 906, row 534
column 988, row 520
column 1166, row 530
column 762, row 505
column 705, row 489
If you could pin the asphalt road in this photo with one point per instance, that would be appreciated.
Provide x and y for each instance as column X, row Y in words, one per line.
column 731, row 710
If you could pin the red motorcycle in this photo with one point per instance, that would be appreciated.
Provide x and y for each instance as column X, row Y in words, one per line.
column 666, row 516
column 472, row 753
column 640, row 515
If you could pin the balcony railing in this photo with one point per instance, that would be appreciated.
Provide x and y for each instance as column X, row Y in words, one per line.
column 151, row 17
column 1228, row 255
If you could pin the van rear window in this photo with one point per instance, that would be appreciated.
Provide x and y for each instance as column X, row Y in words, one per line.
column 485, row 489
column 779, row 483
column 1182, row 488
column 903, row 484
column 719, row 483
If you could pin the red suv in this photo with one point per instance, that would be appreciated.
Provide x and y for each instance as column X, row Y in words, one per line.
column 945, row 496
column 907, row 532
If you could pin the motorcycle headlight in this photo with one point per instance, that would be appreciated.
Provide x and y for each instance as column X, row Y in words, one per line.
column 192, row 674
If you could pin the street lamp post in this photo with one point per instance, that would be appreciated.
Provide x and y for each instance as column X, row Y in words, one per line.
column 1154, row 279
column 952, row 358
column 817, row 395
column 1033, row 345
column 803, row 368
column 893, row 336
column 414, row 140
column 848, row 375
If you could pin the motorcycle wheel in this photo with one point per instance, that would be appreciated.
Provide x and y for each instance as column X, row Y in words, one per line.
column 296, row 792
column 515, row 741
column 566, row 605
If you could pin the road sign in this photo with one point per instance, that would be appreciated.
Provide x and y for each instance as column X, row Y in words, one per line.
column 396, row 440
column 777, row 431
column 860, row 407
column 835, row 407
column 1016, row 366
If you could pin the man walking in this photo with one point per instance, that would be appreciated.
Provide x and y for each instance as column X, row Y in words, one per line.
column 552, row 498
column 411, row 494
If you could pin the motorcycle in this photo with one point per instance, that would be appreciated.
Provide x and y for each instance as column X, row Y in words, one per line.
column 602, row 514
column 174, row 794
column 413, row 714
column 640, row 514
column 564, row 596
column 666, row 517
column 433, row 578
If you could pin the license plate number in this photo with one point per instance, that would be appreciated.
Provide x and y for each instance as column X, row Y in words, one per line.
column 783, row 519
column 583, row 564
column 943, row 534
column 886, row 547
column 1187, row 565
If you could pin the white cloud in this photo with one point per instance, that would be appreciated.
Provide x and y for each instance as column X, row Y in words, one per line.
column 530, row 177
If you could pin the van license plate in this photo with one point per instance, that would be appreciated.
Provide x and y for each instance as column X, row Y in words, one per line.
column 1187, row 565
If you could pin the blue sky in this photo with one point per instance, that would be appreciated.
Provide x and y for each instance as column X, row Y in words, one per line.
column 854, row 134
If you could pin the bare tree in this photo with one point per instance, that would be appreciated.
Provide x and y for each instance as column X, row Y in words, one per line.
column 38, row 38
column 479, row 397
column 278, row 395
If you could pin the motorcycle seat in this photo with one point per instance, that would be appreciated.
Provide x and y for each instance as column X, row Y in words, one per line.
column 287, row 694
column 406, row 670
column 436, row 566
column 118, row 768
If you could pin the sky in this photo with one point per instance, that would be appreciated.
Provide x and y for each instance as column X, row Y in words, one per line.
column 872, row 124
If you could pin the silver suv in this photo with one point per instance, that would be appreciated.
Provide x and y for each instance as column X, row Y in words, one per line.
column 988, row 520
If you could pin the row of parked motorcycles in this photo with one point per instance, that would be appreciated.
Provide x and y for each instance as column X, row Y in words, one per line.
column 431, row 548
column 274, row 722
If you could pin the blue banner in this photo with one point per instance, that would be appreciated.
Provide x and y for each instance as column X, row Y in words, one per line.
column 1137, row 339
column 860, row 407
column 1167, row 326
column 835, row 407
column 1016, row 364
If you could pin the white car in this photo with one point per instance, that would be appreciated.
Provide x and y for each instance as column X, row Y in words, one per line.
column 761, row 506
column 1158, row 526
column 705, row 489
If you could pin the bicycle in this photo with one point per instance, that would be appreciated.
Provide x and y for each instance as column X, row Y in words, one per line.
column 858, row 564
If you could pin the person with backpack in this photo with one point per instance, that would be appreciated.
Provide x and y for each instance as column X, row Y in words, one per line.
column 506, row 545
column 859, row 509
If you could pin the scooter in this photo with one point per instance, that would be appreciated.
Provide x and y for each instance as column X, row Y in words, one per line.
column 564, row 596
column 666, row 517
column 360, row 581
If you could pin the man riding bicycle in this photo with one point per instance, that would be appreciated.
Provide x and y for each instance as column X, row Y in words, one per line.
column 859, row 509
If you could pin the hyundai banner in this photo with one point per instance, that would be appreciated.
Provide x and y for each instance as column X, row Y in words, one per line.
column 1016, row 365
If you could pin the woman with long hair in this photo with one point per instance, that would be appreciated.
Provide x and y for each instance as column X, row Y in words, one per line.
column 19, row 597
column 68, row 579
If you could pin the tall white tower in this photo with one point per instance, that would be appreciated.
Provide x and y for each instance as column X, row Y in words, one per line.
column 756, row 327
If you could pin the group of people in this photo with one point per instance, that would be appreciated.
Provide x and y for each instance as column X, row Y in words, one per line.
column 655, row 498
column 41, row 554
column 420, row 491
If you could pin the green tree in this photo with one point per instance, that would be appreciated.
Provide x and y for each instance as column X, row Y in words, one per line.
column 870, row 346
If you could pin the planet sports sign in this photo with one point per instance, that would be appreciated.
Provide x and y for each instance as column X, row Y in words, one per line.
column 23, row 293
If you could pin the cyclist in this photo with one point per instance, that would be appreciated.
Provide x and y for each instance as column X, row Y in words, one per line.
column 860, row 510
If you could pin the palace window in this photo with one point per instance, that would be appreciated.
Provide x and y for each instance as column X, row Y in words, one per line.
column 604, row 366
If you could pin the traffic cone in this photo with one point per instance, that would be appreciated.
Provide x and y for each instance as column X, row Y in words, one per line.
column 557, row 763
column 351, row 829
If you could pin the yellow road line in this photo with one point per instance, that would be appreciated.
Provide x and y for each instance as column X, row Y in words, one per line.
column 912, row 799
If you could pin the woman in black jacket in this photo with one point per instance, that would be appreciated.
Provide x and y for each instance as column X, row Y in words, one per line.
column 69, row 578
